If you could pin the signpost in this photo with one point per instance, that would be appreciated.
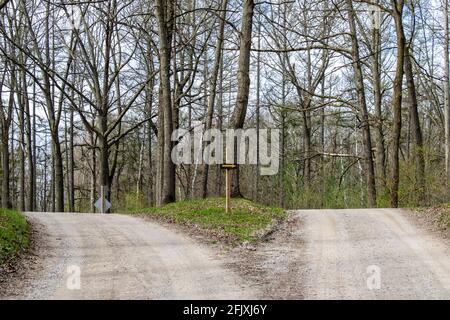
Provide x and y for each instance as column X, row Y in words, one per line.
column 103, row 204
column 228, row 167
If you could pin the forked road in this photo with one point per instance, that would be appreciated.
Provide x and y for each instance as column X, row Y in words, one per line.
column 371, row 254
column 121, row 257
column 324, row 254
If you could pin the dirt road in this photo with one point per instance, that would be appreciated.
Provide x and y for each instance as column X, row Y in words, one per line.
column 372, row 254
column 354, row 254
column 317, row 254
column 122, row 257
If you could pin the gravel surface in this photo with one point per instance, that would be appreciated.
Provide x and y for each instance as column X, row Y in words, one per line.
column 314, row 254
column 122, row 257
column 349, row 254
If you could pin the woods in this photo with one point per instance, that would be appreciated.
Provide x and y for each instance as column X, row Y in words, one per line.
column 92, row 92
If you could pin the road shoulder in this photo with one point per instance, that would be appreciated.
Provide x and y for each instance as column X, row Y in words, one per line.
column 28, row 264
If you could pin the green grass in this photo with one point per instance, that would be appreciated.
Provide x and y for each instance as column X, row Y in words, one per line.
column 14, row 234
column 247, row 220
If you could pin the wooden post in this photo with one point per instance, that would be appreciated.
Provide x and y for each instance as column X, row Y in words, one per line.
column 227, row 189
column 228, row 166
column 102, row 199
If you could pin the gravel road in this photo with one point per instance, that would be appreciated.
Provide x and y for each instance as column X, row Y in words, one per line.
column 371, row 254
column 315, row 254
column 122, row 257
column 349, row 254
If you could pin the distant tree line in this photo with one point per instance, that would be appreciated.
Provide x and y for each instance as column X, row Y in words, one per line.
column 91, row 92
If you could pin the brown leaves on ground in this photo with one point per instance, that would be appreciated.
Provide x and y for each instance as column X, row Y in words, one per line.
column 436, row 218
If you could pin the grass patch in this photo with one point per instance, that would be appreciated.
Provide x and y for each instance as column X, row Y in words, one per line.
column 14, row 234
column 247, row 220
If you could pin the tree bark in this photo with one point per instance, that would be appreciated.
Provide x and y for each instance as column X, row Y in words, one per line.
column 164, row 14
column 213, row 88
column 380, row 154
column 363, row 113
column 243, row 79
column 6, row 200
column 31, row 200
column 417, row 138
column 397, row 10
column 447, row 98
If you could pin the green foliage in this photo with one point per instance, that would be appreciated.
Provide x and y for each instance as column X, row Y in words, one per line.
column 332, row 186
column 131, row 202
column 247, row 221
column 327, row 191
column 14, row 234
column 383, row 198
column 435, row 191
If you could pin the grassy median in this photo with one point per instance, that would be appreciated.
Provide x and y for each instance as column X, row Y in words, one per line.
column 247, row 220
column 14, row 234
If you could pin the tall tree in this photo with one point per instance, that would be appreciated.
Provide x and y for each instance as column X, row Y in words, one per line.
column 380, row 155
column 446, row 95
column 363, row 113
column 165, row 15
column 213, row 87
column 243, row 83
column 6, row 115
column 397, row 13
column 416, row 129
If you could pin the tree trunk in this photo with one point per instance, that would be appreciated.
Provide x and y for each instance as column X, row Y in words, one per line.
column 380, row 155
column 164, row 14
column 31, row 200
column 417, row 138
column 21, row 116
column 364, row 115
column 71, row 163
column 93, row 171
column 59, row 175
column 104, row 157
column 6, row 200
column 397, row 102
column 212, row 95
column 258, row 115
column 447, row 98
column 243, row 79
column 160, row 159
column 149, row 107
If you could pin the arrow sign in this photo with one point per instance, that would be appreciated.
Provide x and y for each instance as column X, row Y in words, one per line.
column 229, row 166
column 106, row 205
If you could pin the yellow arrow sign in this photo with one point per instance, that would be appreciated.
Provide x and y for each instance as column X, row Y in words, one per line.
column 229, row 166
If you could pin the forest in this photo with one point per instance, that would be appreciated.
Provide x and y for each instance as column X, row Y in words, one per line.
column 91, row 92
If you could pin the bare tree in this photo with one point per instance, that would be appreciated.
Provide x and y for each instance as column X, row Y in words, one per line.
column 397, row 13
column 164, row 14
column 240, row 110
column 446, row 95
column 363, row 113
